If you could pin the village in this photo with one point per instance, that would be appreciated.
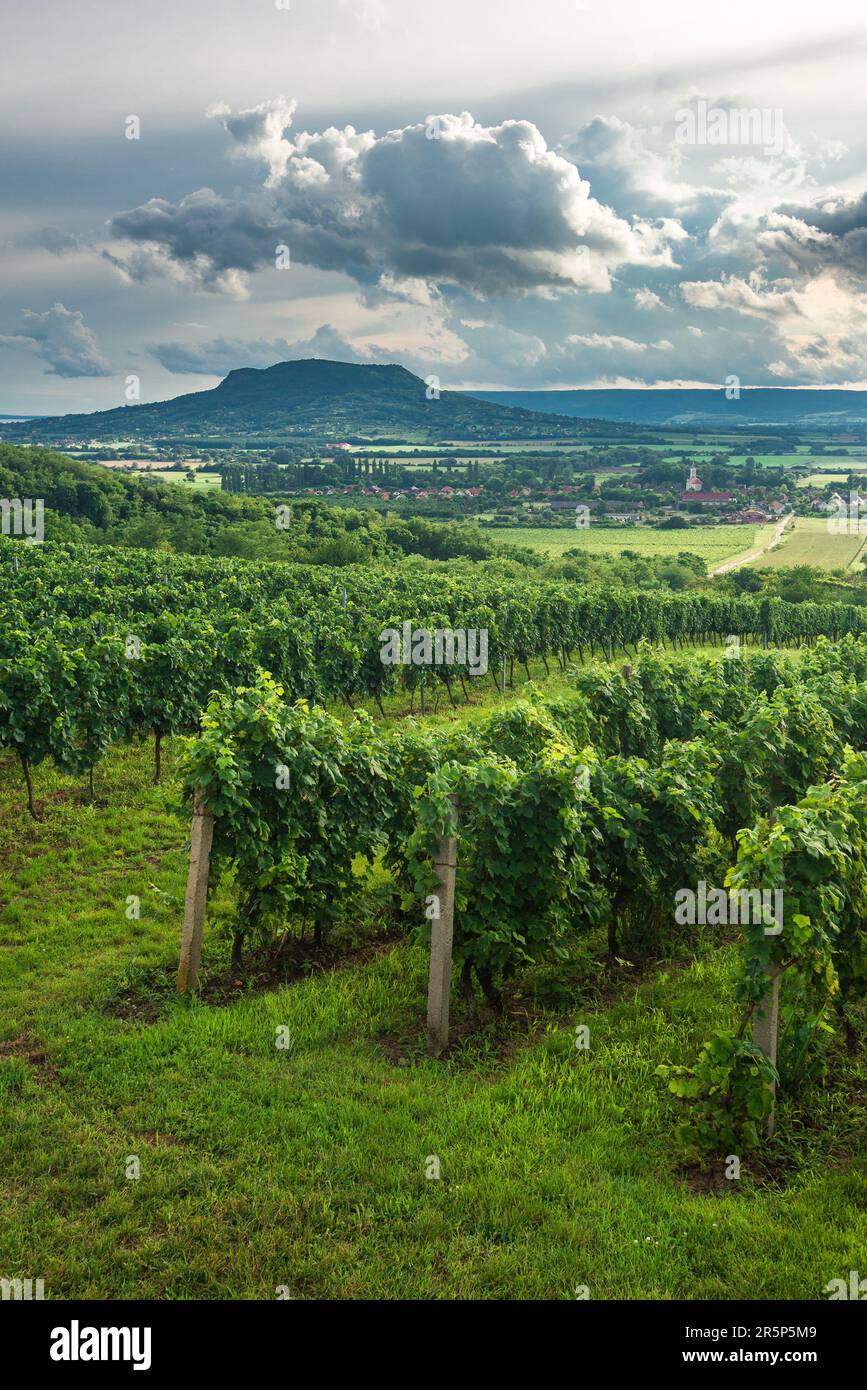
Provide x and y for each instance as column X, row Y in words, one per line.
column 606, row 500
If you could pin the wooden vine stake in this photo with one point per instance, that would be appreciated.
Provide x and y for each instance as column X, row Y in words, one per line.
column 765, row 1022
column 442, row 930
column 201, row 838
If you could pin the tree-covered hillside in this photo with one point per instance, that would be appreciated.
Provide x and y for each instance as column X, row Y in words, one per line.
column 84, row 502
column 309, row 398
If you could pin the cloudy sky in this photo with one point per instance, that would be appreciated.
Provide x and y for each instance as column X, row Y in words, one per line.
column 506, row 194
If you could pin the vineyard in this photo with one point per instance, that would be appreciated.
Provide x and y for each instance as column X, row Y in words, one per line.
column 579, row 815
column 433, row 679
column 585, row 812
column 95, row 646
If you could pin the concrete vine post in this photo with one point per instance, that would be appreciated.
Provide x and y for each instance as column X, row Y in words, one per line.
column 765, row 1024
column 442, row 931
column 201, row 839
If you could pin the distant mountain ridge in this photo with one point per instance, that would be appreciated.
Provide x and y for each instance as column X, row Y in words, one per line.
column 756, row 405
column 311, row 397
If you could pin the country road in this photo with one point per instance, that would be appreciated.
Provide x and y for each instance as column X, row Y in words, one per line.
column 754, row 554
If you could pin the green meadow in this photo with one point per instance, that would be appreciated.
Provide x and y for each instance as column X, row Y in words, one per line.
column 712, row 543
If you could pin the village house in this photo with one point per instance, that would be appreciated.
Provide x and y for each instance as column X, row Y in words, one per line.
column 709, row 499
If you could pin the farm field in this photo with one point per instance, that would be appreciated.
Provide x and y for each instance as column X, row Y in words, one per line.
column 713, row 543
column 471, row 450
column 822, row 479
column 203, row 479
column 800, row 459
column 305, row 1168
column 809, row 542
column 705, row 450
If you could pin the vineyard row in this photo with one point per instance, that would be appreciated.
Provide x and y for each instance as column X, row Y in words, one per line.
column 585, row 813
column 97, row 645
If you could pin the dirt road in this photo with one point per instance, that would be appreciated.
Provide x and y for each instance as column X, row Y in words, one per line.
column 754, row 554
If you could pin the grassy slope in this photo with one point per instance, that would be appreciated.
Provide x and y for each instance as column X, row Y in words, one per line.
column 306, row 1167
column 809, row 542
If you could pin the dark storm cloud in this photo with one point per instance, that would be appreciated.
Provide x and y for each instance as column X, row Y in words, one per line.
column 62, row 340
column 221, row 355
column 839, row 216
column 449, row 203
column 204, row 232
column 831, row 233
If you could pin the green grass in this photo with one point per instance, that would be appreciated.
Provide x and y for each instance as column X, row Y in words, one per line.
column 713, row 543
column 305, row 1168
column 204, row 479
column 809, row 542
column 823, row 479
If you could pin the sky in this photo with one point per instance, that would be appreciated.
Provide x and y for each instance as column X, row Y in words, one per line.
column 504, row 195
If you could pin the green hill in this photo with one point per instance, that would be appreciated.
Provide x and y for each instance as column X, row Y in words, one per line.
column 336, row 400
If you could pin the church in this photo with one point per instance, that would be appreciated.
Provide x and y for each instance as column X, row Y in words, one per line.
column 693, row 492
